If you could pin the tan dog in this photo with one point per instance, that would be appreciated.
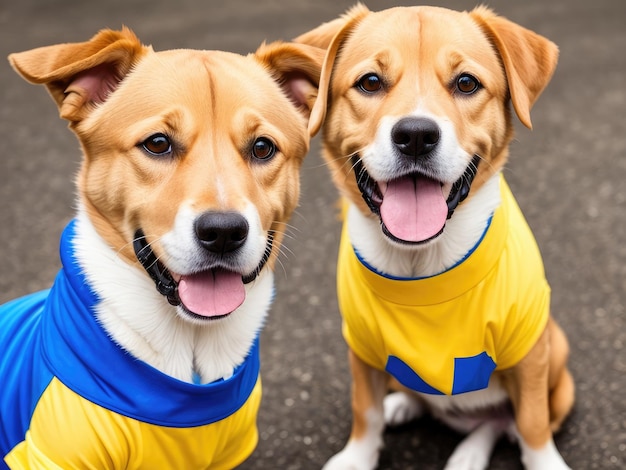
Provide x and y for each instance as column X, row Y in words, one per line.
column 440, row 283
column 190, row 173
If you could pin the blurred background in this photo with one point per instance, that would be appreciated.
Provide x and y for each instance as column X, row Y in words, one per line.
column 569, row 175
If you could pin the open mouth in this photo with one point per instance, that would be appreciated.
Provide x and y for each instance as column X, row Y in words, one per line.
column 210, row 294
column 412, row 208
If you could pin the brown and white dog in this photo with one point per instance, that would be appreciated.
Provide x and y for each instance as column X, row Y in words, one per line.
column 440, row 282
column 190, row 174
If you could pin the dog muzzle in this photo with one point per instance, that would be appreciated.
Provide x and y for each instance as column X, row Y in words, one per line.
column 163, row 279
column 413, row 210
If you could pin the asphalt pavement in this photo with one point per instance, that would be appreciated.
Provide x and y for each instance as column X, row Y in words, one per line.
column 569, row 175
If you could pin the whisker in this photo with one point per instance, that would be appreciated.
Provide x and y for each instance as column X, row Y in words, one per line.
column 286, row 251
column 146, row 247
column 286, row 227
column 324, row 163
column 282, row 265
column 300, row 216
column 344, row 160
column 484, row 161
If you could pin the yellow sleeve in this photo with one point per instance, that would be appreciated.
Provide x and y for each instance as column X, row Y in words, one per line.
column 527, row 287
column 99, row 438
column 360, row 328
column 362, row 332
column 525, row 325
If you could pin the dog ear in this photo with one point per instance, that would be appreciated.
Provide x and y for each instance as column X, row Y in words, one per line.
column 529, row 59
column 330, row 36
column 296, row 67
column 80, row 75
column 324, row 33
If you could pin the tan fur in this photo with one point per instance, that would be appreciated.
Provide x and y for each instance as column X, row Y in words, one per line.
column 368, row 389
column 223, row 101
column 418, row 51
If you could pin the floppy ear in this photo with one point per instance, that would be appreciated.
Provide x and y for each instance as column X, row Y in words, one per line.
column 296, row 67
column 529, row 59
column 80, row 75
column 323, row 34
column 331, row 36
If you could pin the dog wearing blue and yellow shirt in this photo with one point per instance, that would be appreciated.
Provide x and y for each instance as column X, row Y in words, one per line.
column 441, row 285
column 190, row 173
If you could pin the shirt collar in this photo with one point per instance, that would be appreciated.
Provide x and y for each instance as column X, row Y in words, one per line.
column 453, row 282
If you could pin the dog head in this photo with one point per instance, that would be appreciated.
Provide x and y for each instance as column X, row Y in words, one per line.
column 191, row 156
column 415, row 103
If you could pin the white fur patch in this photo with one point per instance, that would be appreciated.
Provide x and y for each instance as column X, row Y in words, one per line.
column 361, row 454
column 450, row 409
column 142, row 322
column 546, row 458
column 401, row 407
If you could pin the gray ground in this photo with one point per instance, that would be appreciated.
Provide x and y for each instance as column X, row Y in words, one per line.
column 568, row 174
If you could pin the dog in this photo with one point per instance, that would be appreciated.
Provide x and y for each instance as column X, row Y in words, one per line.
column 440, row 283
column 144, row 353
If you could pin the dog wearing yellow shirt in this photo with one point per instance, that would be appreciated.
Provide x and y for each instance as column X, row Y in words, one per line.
column 440, row 282
column 144, row 353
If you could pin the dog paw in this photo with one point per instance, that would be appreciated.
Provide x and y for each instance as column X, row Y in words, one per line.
column 352, row 457
column 547, row 458
column 474, row 452
column 342, row 462
column 400, row 408
column 467, row 460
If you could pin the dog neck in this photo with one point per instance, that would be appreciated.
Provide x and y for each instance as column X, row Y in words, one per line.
column 462, row 233
column 142, row 322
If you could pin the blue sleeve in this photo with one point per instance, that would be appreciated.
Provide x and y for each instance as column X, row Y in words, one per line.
column 23, row 373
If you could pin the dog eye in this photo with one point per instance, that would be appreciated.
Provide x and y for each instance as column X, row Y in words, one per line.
column 467, row 84
column 157, row 145
column 263, row 148
column 370, row 83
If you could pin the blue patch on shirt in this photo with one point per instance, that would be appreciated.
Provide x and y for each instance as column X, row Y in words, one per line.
column 470, row 374
column 408, row 377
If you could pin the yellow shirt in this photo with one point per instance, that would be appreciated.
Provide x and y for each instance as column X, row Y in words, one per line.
column 447, row 333
column 103, row 439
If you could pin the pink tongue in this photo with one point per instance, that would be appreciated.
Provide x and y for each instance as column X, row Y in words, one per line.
column 413, row 208
column 212, row 293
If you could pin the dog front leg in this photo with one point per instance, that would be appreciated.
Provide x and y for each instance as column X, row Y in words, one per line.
column 369, row 387
column 529, row 391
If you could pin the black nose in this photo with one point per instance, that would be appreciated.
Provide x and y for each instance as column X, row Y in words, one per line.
column 415, row 137
column 221, row 232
